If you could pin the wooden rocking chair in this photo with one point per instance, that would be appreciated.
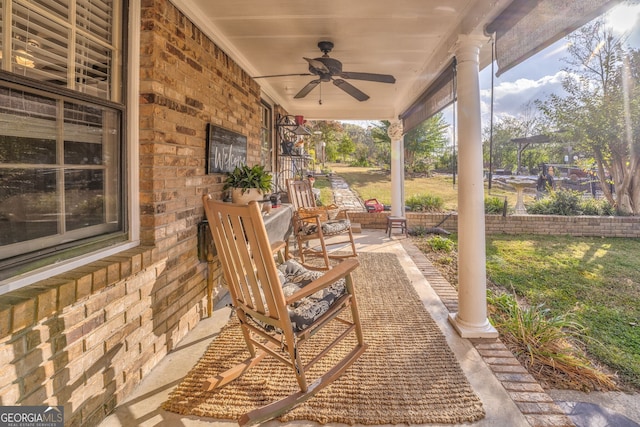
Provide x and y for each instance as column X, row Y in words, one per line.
column 279, row 306
column 316, row 227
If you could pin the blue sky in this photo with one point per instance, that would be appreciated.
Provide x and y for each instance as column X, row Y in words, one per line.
column 541, row 74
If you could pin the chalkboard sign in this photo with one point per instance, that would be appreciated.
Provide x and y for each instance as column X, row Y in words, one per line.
column 226, row 149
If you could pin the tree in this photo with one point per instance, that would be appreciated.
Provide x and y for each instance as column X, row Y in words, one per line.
column 425, row 142
column 382, row 142
column 329, row 132
column 346, row 146
column 601, row 109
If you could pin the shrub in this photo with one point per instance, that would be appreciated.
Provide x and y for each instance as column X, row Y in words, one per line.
column 361, row 162
column 566, row 202
column 493, row 205
column 607, row 208
column 442, row 244
column 569, row 202
column 423, row 166
column 592, row 206
column 540, row 207
column 418, row 231
column 425, row 203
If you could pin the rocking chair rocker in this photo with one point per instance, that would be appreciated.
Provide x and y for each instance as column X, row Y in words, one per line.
column 279, row 306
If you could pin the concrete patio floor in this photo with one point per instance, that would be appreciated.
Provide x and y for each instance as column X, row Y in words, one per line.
column 510, row 396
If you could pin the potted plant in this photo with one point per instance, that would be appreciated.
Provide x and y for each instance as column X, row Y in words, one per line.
column 248, row 183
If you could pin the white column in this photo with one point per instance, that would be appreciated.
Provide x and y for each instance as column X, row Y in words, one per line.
column 471, row 319
column 395, row 132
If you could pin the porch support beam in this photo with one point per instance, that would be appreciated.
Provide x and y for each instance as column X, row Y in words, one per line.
column 471, row 319
column 395, row 132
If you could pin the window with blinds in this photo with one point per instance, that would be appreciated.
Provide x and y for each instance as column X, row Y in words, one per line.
column 61, row 150
column 66, row 43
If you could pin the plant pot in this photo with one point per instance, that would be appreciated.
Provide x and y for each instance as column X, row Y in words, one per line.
column 250, row 194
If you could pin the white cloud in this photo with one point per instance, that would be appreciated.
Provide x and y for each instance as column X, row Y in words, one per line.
column 511, row 96
column 623, row 19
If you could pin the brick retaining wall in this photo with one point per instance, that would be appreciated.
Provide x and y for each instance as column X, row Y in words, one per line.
column 516, row 224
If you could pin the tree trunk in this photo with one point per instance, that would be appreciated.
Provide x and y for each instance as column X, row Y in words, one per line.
column 602, row 176
column 627, row 182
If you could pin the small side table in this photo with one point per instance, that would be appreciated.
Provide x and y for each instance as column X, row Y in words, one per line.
column 396, row 222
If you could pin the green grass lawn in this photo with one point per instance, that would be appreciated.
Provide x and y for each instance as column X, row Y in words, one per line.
column 373, row 183
column 594, row 278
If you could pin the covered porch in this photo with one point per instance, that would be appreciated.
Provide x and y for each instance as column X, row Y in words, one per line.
column 85, row 330
column 509, row 395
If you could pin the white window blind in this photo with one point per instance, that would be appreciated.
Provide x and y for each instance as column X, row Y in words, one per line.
column 67, row 43
column 434, row 99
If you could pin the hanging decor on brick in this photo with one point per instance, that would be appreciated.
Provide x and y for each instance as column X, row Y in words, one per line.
column 225, row 149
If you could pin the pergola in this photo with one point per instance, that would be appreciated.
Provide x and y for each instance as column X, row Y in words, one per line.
column 523, row 143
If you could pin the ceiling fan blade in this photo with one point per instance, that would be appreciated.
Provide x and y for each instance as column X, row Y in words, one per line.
column 317, row 65
column 308, row 88
column 282, row 75
column 351, row 90
column 381, row 78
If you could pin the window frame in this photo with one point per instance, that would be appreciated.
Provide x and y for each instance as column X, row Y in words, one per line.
column 266, row 135
column 97, row 247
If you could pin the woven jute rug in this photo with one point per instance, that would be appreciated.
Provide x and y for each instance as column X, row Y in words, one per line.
column 408, row 375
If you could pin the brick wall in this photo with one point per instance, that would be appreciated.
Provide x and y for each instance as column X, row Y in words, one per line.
column 82, row 339
column 86, row 338
column 516, row 224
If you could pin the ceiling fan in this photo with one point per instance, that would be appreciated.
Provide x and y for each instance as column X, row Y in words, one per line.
column 327, row 69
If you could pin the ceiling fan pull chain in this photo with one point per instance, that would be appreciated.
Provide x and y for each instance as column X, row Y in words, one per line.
column 320, row 99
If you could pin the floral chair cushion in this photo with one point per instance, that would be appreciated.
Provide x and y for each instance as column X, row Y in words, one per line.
column 333, row 226
column 304, row 312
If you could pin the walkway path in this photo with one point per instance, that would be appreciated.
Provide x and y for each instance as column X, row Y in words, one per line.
column 343, row 196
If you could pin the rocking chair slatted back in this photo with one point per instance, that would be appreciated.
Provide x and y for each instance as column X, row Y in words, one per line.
column 301, row 194
column 247, row 262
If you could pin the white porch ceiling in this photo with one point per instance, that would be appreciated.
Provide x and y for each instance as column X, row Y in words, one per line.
column 409, row 39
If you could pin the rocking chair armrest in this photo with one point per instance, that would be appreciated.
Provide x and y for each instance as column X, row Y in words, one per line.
column 307, row 216
column 343, row 214
column 301, row 220
column 338, row 272
column 278, row 246
column 279, row 251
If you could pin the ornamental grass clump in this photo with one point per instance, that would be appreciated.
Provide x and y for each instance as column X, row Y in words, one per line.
column 548, row 346
column 439, row 243
column 425, row 203
column 494, row 205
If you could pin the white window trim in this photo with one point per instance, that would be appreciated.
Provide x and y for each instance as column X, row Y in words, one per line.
column 131, row 165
